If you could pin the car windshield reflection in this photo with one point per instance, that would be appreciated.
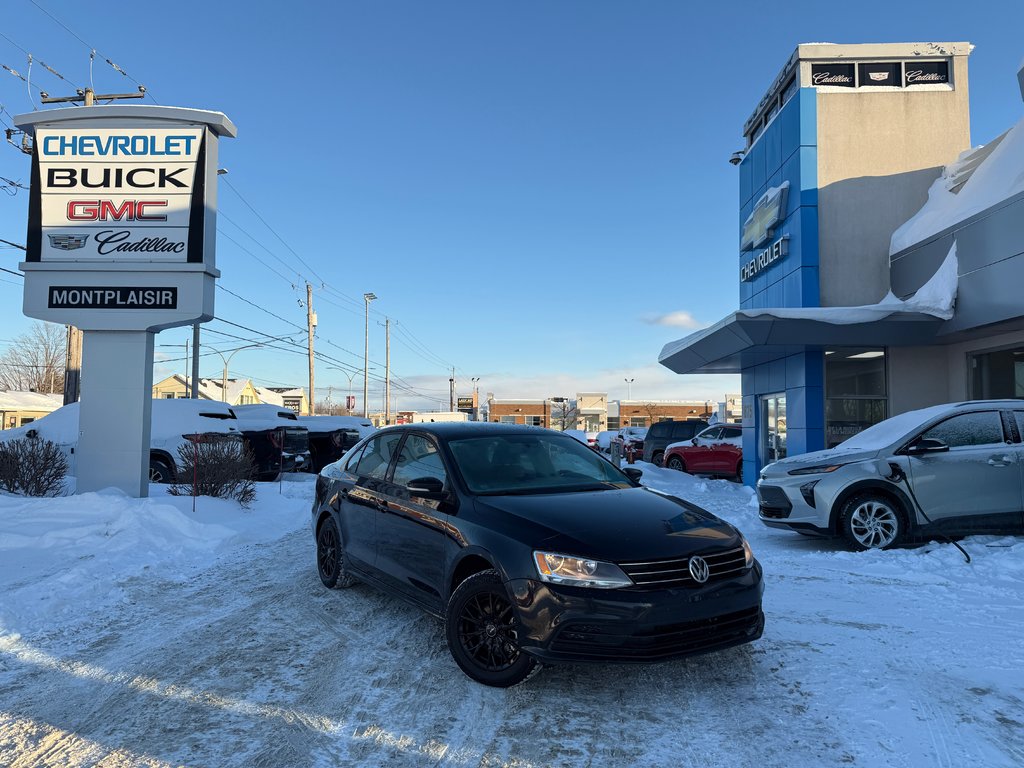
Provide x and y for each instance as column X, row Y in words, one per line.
column 523, row 464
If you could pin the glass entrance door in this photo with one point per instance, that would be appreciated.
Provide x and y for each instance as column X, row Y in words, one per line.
column 773, row 428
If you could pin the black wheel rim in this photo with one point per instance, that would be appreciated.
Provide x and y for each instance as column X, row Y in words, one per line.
column 487, row 632
column 155, row 475
column 327, row 552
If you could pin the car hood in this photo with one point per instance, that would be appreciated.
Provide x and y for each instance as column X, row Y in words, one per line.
column 831, row 456
column 615, row 525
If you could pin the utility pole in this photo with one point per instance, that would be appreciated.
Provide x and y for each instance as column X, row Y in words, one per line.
column 451, row 392
column 194, row 394
column 387, row 371
column 88, row 97
column 311, row 323
column 367, row 297
column 186, row 371
column 73, row 366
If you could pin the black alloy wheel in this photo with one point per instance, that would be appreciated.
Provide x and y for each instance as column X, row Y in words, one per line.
column 481, row 626
column 159, row 472
column 739, row 471
column 674, row 462
column 657, row 457
column 330, row 557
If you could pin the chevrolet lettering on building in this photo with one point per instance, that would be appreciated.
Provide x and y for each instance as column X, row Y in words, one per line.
column 764, row 259
column 66, row 296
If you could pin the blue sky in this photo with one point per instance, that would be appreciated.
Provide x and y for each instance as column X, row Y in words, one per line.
column 525, row 186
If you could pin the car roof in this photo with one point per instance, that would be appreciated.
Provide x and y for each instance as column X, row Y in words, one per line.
column 454, row 430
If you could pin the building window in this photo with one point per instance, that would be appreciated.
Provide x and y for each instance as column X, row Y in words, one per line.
column 27, row 420
column 535, row 421
column 508, row 419
column 855, row 392
column 613, row 423
column 168, row 395
column 640, row 421
column 246, row 400
column 997, row 375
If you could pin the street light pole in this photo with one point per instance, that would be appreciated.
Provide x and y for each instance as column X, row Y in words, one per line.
column 629, row 388
column 367, row 297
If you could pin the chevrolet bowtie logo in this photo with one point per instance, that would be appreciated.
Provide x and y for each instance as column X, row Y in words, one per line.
column 768, row 212
column 67, row 242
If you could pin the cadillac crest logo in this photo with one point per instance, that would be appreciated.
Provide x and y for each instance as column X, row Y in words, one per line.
column 67, row 242
column 699, row 569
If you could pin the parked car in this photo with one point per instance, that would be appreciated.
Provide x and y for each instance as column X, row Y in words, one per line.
column 331, row 436
column 532, row 549
column 633, row 437
column 661, row 434
column 173, row 424
column 717, row 450
column 589, row 439
column 276, row 439
column 950, row 469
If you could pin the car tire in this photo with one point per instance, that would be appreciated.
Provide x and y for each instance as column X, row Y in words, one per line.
column 160, row 472
column 480, row 625
column 657, row 457
column 676, row 463
column 330, row 557
column 872, row 521
column 739, row 471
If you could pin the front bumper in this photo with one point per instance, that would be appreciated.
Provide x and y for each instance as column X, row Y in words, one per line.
column 784, row 503
column 293, row 462
column 577, row 624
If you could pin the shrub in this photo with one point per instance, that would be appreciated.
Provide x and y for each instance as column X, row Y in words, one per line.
column 220, row 468
column 33, row 467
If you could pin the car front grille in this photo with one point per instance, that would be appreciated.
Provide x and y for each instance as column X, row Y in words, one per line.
column 773, row 502
column 664, row 574
column 600, row 642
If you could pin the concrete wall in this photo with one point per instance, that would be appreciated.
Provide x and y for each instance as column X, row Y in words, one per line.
column 878, row 152
column 918, row 377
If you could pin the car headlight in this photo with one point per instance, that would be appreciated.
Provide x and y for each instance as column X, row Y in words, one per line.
column 748, row 554
column 819, row 469
column 579, row 571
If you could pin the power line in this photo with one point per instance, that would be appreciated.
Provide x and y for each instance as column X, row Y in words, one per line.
column 272, row 230
column 257, row 306
column 39, row 61
column 221, row 214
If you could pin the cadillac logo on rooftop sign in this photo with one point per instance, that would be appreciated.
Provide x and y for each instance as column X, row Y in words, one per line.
column 118, row 194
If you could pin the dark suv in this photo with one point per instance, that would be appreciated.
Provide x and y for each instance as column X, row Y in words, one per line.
column 663, row 433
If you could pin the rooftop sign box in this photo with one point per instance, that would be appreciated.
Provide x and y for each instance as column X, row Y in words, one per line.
column 122, row 216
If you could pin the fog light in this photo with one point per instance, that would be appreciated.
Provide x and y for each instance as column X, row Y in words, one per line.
column 807, row 491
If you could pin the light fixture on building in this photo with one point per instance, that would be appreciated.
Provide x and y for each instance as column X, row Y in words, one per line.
column 867, row 355
column 737, row 157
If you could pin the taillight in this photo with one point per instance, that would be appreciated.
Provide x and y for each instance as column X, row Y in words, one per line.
column 277, row 438
column 337, row 438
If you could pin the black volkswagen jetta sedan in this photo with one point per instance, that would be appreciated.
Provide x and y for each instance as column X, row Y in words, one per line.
column 533, row 549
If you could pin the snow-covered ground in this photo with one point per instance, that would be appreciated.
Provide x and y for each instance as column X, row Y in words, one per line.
column 139, row 633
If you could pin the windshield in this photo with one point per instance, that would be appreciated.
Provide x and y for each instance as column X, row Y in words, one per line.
column 535, row 463
column 886, row 432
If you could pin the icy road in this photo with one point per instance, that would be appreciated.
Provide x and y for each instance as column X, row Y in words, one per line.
column 136, row 633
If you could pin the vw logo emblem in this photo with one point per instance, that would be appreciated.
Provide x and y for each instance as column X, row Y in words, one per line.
column 699, row 569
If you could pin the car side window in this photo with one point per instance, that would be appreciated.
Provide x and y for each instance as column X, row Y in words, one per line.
column 967, row 429
column 711, row 434
column 731, row 433
column 418, row 458
column 353, row 460
column 659, row 429
column 377, row 455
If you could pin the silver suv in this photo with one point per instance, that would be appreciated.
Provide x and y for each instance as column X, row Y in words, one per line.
column 949, row 469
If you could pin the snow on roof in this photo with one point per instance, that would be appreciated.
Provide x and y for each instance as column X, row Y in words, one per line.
column 13, row 400
column 998, row 177
column 269, row 396
column 936, row 298
column 330, row 423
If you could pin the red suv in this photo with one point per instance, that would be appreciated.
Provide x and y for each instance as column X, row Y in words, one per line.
column 717, row 450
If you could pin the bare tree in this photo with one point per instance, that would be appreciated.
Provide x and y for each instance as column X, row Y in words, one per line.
column 34, row 361
column 564, row 413
column 652, row 410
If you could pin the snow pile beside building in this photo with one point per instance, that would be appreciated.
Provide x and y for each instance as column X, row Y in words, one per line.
column 993, row 173
column 935, row 298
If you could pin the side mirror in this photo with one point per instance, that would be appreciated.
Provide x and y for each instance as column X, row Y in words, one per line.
column 633, row 473
column 926, row 445
column 694, row 441
column 426, row 487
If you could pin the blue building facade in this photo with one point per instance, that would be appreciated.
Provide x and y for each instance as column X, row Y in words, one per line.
column 783, row 398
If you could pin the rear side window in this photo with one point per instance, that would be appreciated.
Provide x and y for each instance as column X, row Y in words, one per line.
column 377, row 455
column 659, row 429
column 731, row 432
column 967, row 429
column 353, row 460
column 685, row 429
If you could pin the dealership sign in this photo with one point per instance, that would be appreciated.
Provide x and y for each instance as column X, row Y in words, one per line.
column 765, row 259
column 769, row 210
column 119, row 194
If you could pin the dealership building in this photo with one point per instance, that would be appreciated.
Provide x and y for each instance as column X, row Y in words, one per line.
column 880, row 257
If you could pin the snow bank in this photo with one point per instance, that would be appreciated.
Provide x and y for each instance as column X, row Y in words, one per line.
column 999, row 176
column 60, row 556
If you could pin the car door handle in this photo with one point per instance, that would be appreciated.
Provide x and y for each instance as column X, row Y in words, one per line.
column 1000, row 461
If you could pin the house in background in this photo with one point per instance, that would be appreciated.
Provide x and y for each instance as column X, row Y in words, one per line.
column 239, row 391
column 19, row 408
column 292, row 398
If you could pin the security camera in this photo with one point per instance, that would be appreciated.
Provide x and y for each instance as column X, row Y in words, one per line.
column 737, row 156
